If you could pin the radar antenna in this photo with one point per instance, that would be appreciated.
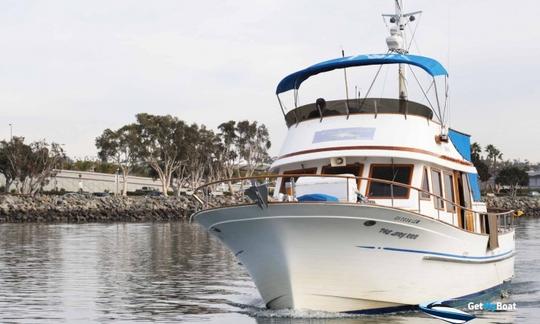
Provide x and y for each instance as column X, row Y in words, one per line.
column 397, row 41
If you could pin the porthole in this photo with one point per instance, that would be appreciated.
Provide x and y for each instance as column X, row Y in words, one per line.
column 370, row 223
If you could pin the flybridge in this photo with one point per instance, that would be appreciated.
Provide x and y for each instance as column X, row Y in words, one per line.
column 293, row 81
column 435, row 93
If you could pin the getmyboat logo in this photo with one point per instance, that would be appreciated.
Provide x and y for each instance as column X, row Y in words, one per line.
column 452, row 315
column 492, row 307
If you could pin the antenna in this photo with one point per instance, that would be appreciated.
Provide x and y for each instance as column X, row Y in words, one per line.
column 397, row 41
column 346, row 86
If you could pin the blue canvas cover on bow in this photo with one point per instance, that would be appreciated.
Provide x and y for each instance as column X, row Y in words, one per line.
column 294, row 80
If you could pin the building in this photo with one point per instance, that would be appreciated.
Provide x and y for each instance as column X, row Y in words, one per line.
column 534, row 179
column 73, row 181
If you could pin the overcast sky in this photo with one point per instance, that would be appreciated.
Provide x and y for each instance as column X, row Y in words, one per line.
column 70, row 69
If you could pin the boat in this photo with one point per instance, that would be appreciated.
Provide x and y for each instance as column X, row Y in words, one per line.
column 373, row 204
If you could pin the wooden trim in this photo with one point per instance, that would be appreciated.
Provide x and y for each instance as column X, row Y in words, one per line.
column 441, row 186
column 373, row 147
column 457, row 176
column 468, row 197
column 301, row 171
column 410, row 166
column 450, row 207
column 360, row 171
column 295, row 173
column 425, row 172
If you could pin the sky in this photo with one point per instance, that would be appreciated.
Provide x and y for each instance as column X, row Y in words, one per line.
column 70, row 69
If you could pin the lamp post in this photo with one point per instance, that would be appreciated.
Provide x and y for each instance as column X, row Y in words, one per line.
column 117, row 180
column 11, row 132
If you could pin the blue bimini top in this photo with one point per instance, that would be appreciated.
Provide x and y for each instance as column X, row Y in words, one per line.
column 294, row 80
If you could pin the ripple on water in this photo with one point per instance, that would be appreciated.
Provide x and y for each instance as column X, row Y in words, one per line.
column 171, row 272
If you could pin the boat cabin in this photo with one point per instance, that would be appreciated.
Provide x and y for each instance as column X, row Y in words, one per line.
column 390, row 152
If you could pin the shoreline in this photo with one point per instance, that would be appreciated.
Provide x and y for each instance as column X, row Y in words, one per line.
column 135, row 209
column 64, row 209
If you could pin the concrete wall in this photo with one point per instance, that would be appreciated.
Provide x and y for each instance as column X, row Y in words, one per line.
column 69, row 180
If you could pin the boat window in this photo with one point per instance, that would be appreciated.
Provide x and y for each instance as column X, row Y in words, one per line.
column 288, row 179
column 355, row 169
column 449, row 191
column 437, row 188
column 425, row 185
column 389, row 172
column 466, row 191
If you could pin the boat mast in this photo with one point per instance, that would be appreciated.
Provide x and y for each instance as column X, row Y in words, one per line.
column 401, row 28
column 397, row 41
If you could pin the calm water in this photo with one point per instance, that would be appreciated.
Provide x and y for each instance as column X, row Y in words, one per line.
column 175, row 272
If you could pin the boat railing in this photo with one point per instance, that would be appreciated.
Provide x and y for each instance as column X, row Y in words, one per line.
column 207, row 198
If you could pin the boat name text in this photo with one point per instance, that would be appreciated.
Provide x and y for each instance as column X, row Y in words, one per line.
column 398, row 234
column 406, row 220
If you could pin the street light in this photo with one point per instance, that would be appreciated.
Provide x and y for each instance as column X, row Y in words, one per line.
column 117, row 180
column 11, row 131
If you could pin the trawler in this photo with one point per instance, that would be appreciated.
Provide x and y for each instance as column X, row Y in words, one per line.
column 373, row 204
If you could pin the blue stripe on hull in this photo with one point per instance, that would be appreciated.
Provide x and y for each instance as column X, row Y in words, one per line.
column 439, row 253
column 385, row 310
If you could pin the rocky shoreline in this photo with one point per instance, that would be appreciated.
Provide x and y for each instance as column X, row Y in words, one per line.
column 82, row 209
column 529, row 205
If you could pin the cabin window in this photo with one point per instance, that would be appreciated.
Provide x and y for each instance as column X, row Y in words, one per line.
column 449, row 191
column 436, row 181
column 288, row 179
column 425, row 185
column 354, row 169
column 396, row 173
column 466, row 191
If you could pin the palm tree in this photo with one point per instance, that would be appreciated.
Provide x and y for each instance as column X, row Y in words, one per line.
column 476, row 150
column 493, row 154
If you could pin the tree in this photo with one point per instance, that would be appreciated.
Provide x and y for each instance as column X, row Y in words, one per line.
column 483, row 170
column 160, row 143
column 180, row 154
column 34, row 164
column 121, row 147
column 513, row 177
column 476, row 151
column 229, row 140
column 253, row 144
column 5, row 166
column 229, row 150
column 202, row 151
column 493, row 154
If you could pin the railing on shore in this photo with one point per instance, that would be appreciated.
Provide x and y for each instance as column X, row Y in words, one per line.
column 204, row 195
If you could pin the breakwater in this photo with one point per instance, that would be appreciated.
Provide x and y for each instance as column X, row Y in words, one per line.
column 82, row 209
column 529, row 205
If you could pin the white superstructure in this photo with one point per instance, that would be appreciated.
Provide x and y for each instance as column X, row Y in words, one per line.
column 375, row 204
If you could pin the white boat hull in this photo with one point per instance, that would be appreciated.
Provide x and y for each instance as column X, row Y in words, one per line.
column 332, row 257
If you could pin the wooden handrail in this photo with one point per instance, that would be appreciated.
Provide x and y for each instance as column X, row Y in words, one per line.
column 419, row 190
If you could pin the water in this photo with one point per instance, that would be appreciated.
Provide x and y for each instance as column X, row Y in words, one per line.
column 176, row 272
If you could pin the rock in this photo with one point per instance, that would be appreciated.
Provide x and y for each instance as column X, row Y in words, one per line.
column 529, row 205
column 80, row 209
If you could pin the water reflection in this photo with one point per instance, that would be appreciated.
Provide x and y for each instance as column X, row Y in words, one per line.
column 174, row 272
